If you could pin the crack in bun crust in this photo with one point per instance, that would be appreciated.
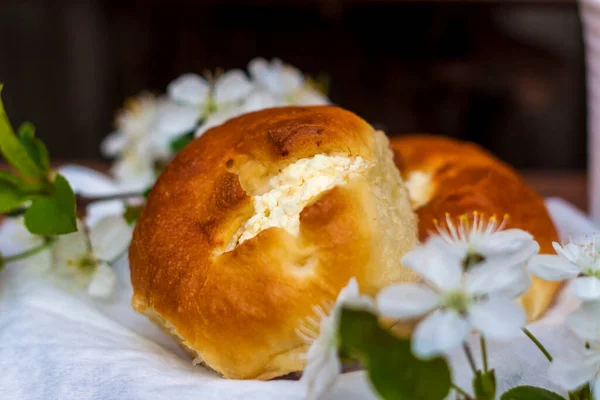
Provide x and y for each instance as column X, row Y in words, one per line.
column 238, row 310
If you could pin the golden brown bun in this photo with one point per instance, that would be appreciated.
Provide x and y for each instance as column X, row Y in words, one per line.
column 458, row 177
column 238, row 311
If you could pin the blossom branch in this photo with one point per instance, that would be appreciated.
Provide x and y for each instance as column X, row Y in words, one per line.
column 470, row 357
column 537, row 343
column 463, row 393
column 84, row 201
column 483, row 353
column 27, row 253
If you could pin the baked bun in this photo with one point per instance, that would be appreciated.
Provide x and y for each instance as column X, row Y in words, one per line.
column 449, row 176
column 258, row 222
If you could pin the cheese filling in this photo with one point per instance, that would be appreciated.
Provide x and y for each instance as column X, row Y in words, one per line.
column 293, row 189
column 419, row 188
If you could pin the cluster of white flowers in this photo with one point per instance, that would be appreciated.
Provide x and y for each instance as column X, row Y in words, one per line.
column 143, row 142
column 579, row 261
column 471, row 273
column 148, row 124
column 82, row 259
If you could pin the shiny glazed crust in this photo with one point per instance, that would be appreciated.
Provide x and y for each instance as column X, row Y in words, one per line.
column 238, row 311
column 460, row 177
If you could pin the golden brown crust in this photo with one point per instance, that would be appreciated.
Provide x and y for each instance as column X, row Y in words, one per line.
column 240, row 309
column 465, row 178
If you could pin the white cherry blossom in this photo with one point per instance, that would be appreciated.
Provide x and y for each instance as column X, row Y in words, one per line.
column 84, row 257
column 148, row 124
column 286, row 82
column 479, row 241
column 455, row 298
column 142, row 139
column 257, row 100
column 581, row 365
column 211, row 102
column 580, row 261
column 323, row 364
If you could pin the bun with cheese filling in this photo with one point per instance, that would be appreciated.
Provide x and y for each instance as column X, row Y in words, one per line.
column 258, row 222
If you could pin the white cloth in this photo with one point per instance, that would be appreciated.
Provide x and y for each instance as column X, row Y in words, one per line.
column 56, row 344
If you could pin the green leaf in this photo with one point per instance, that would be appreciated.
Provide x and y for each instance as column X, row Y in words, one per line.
column 54, row 214
column 11, row 197
column 9, row 177
column 132, row 213
column 484, row 385
column 584, row 393
column 321, row 83
column 394, row 371
column 529, row 393
column 180, row 142
column 146, row 192
column 35, row 148
column 27, row 186
column 12, row 149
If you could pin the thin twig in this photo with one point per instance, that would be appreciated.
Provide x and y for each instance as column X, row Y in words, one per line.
column 483, row 353
column 538, row 344
column 28, row 252
column 470, row 357
column 461, row 391
column 84, row 201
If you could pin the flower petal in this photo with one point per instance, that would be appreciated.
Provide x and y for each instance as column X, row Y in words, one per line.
column 452, row 250
column 276, row 77
column 110, row 237
column 585, row 321
column 552, row 268
column 522, row 256
column 134, row 172
column 113, row 144
column 497, row 278
column 595, row 383
column 439, row 333
column 586, row 288
column 258, row 68
column 189, row 89
column 176, row 119
column 320, row 374
column 435, row 262
column 497, row 318
column 503, row 242
column 103, row 281
column 261, row 99
column 350, row 296
column 406, row 301
column 350, row 290
column 569, row 251
column 521, row 285
column 232, row 86
column 290, row 79
column 310, row 97
column 573, row 370
column 218, row 118
column 69, row 247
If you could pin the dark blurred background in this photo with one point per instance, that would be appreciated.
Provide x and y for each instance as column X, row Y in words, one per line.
column 507, row 74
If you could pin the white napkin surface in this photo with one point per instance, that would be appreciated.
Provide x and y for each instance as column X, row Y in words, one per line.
column 57, row 344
